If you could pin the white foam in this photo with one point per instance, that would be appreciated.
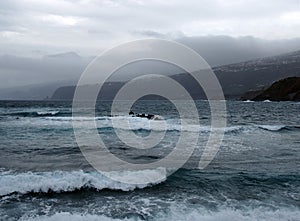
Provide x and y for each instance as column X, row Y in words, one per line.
column 65, row 216
column 131, row 123
column 63, row 181
column 137, row 123
column 229, row 214
column 70, row 118
column 272, row 127
column 184, row 213
column 47, row 112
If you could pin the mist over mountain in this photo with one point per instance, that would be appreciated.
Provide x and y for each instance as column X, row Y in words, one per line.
column 221, row 50
column 37, row 78
column 235, row 79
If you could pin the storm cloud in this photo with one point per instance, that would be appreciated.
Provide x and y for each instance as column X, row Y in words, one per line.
column 33, row 27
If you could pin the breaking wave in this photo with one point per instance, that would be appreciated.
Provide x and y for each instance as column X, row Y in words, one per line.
column 138, row 124
column 183, row 213
column 63, row 181
column 38, row 113
column 272, row 127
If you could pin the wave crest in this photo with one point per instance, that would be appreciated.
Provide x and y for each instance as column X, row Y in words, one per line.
column 37, row 114
column 183, row 213
column 63, row 181
column 272, row 127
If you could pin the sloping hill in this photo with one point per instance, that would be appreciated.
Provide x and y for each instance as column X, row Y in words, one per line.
column 235, row 79
column 287, row 89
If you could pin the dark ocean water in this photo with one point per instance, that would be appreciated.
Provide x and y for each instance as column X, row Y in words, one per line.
column 255, row 175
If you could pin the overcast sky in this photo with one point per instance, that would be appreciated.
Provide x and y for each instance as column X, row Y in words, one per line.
column 40, row 27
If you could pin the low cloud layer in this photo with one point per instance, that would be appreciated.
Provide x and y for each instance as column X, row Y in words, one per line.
column 35, row 28
column 67, row 67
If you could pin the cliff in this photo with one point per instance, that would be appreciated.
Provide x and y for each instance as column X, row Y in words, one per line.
column 287, row 89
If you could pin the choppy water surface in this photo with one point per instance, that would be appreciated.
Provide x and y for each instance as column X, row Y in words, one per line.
column 255, row 175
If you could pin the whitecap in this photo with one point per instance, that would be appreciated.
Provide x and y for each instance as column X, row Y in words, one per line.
column 272, row 127
column 64, row 181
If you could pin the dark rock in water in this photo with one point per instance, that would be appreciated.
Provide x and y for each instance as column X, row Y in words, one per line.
column 141, row 115
column 148, row 116
column 287, row 89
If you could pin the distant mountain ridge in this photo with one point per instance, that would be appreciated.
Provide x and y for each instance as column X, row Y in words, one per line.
column 235, row 79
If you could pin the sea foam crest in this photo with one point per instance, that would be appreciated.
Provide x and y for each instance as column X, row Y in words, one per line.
column 272, row 127
column 45, row 113
column 64, row 181
column 183, row 213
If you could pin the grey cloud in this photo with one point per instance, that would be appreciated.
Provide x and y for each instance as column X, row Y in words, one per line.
column 19, row 71
column 149, row 33
column 155, row 34
column 104, row 23
column 216, row 50
column 219, row 50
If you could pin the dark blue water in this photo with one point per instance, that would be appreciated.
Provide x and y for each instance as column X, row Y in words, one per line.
column 255, row 175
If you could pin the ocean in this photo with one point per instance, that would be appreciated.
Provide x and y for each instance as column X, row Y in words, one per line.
column 254, row 176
